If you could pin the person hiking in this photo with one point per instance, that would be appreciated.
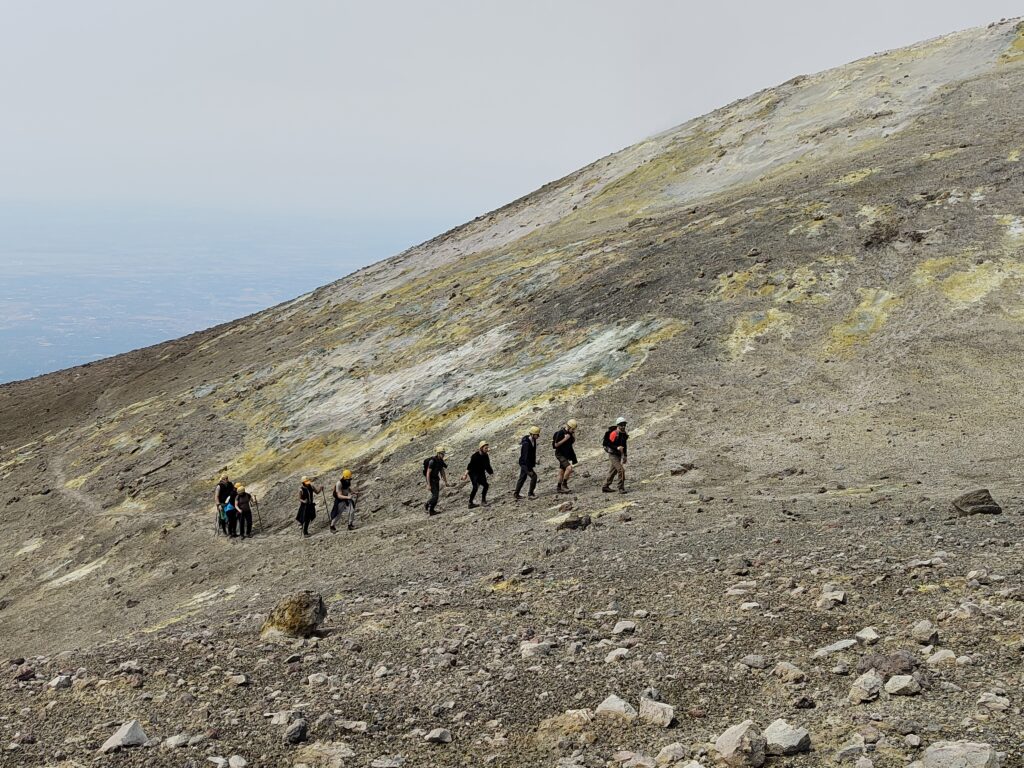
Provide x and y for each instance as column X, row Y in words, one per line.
column 614, row 444
column 243, row 501
column 224, row 495
column 527, row 462
column 307, row 504
column 477, row 470
column 434, row 469
column 563, row 442
column 344, row 500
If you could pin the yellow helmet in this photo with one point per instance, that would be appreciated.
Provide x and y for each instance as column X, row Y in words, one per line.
column 224, row 477
column 305, row 480
column 534, row 430
column 572, row 424
column 483, row 444
column 346, row 475
column 239, row 487
column 440, row 449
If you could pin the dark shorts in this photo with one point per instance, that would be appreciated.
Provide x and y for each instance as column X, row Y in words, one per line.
column 563, row 461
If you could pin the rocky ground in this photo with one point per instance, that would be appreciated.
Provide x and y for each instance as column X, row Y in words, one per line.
column 809, row 306
column 722, row 608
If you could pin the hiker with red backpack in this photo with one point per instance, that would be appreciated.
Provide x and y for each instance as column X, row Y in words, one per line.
column 434, row 470
column 614, row 443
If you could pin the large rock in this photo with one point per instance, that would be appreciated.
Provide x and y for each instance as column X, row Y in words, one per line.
column 901, row 662
column 298, row 615
column 742, row 746
column 784, row 739
column 128, row 735
column 325, row 754
column 866, row 687
column 902, row 685
column 979, row 502
column 960, row 754
column 656, row 712
column 616, row 707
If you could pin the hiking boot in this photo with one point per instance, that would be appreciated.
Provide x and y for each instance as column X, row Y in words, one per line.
column 532, row 496
column 564, row 489
column 333, row 529
column 351, row 527
column 473, row 505
column 623, row 490
column 605, row 489
column 517, row 497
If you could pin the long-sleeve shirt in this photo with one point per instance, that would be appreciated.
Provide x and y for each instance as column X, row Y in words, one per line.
column 528, row 452
column 479, row 463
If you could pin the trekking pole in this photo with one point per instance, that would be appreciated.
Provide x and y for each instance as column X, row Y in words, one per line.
column 258, row 515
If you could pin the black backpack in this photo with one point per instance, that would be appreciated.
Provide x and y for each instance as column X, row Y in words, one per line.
column 607, row 441
column 559, row 435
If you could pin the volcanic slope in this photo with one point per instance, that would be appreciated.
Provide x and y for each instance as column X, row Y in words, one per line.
column 809, row 305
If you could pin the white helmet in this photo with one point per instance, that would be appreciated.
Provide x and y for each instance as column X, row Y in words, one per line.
column 620, row 421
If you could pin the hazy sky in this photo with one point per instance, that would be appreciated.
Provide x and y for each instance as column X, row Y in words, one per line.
column 389, row 110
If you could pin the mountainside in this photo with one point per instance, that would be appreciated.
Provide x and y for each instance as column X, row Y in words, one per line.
column 808, row 304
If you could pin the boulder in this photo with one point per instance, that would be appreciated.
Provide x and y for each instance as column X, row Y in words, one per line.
column 866, row 687
column 656, row 713
column 978, row 502
column 784, row 739
column 960, row 754
column 742, row 746
column 128, row 735
column 615, row 707
column 298, row 615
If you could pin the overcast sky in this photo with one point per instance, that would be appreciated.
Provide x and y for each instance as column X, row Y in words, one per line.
column 389, row 110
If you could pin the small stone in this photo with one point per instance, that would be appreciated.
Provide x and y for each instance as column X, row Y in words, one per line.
column 671, row 753
column 868, row 636
column 615, row 707
column 742, row 746
column 865, row 688
column 439, row 736
column 237, row 761
column 388, row 761
column 789, row 673
column 836, row 647
column 754, row 661
column 994, row 702
column 902, row 685
column 912, row 740
column 60, row 682
column 888, row 664
column 176, row 742
column 531, row 650
column 925, row 632
column 296, row 732
column 784, row 739
column 656, row 713
column 324, row 754
column 864, row 762
column 960, row 754
column 238, row 680
column 943, row 658
column 317, row 679
column 128, row 735
column 624, row 626
column 978, row 502
column 617, row 655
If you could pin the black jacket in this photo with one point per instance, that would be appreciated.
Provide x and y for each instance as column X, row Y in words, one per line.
column 225, row 493
column 567, row 449
column 479, row 463
column 528, row 453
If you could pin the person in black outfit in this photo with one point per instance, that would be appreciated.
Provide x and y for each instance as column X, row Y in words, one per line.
column 307, row 504
column 563, row 443
column 477, row 470
column 435, row 472
column 243, row 501
column 527, row 462
column 224, row 494
column 616, row 445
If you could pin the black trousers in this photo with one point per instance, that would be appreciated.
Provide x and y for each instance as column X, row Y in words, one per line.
column 245, row 523
column 526, row 472
column 232, row 522
column 479, row 483
column 435, row 494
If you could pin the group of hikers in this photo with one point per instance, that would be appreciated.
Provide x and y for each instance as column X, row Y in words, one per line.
column 235, row 505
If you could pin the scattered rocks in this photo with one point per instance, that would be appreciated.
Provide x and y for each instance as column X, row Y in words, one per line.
column 298, row 615
column 128, row 735
column 978, row 502
column 742, row 746
column 781, row 738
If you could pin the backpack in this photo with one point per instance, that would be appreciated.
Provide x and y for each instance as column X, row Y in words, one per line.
column 559, row 435
column 426, row 465
column 609, row 439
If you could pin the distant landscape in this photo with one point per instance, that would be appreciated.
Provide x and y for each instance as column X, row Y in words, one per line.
column 82, row 284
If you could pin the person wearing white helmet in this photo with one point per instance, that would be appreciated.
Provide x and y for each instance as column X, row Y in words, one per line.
column 527, row 462
column 563, row 442
column 434, row 470
column 615, row 445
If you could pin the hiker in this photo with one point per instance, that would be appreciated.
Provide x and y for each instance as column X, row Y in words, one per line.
column 563, row 442
column 243, row 501
column 344, row 500
column 477, row 470
column 307, row 504
column 614, row 444
column 224, row 495
column 527, row 462
column 434, row 470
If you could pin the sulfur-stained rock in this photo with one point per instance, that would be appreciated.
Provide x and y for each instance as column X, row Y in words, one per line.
column 298, row 615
